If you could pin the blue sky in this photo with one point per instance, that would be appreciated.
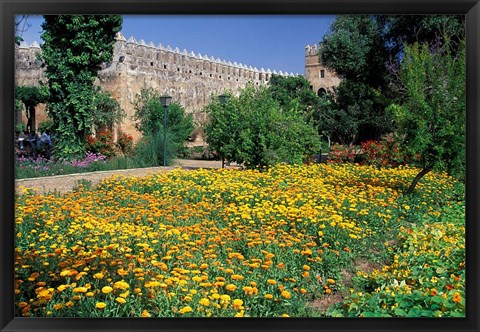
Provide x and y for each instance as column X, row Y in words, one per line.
column 275, row 42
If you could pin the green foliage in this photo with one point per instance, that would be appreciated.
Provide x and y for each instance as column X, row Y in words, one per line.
column 254, row 129
column 431, row 114
column 354, row 48
column 107, row 111
column 402, row 30
column 149, row 150
column 286, row 90
column 20, row 127
column 224, row 129
column 149, row 114
column 427, row 275
column 30, row 96
column 354, row 112
column 74, row 48
column 46, row 125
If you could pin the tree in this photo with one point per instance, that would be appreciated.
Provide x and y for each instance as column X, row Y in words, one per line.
column 74, row 48
column 107, row 111
column 401, row 30
column 431, row 116
column 224, row 129
column 30, row 96
column 149, row 114
column 254, row 129
column 354, row 48
column 287, row 89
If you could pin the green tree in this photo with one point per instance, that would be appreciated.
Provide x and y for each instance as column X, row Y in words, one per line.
column 149, row 117
column 107, row 111
column 224, row 128
column 354, row 48
column 30, row 96
column 287, row 89
column 401, row 30
column 254, row 129
column 431, row 115
column 74, row 48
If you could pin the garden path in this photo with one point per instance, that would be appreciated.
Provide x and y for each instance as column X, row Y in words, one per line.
column 64, row 183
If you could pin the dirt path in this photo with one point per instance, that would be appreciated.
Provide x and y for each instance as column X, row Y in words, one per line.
column 63, row 183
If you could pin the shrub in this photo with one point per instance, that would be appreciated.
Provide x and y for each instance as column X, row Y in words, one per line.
column 383, row 153
column 149, row 150
column 149, row 114
column 341, row 154
column 125, row 143
column 255, row 130
column 102, row 143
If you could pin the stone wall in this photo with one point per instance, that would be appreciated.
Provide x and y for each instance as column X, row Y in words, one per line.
column 189, row 78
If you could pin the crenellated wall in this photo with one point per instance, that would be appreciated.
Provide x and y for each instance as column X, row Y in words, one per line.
column 189, row 78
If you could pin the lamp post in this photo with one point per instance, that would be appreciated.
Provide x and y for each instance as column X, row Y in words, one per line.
column 223, row 100
column 165, row 101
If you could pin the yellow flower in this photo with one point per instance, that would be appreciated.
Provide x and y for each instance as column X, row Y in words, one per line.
column 225, row 298
column 107, row 289
column 145, row 313
column 90, row 294
column 120, row 300
column 61, row 288
column 231, row 287
column 285, row 315
column 121, row 285
column 237, row 304
column 268, row 296
column 286, row 294
column 331, row 281
column 185, row 310
column 271, row 281
column 100, row 305
column 80, row 290
column 98, row 275
column 205, row 302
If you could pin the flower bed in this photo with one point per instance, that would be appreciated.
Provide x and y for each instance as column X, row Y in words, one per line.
column 226, row 243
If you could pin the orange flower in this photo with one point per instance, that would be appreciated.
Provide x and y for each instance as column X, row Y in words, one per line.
column 457, row 297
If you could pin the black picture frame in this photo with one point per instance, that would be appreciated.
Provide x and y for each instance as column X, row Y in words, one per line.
column 8, row 8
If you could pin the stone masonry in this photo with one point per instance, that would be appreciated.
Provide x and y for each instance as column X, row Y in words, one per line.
column 321, row 78
column 191, row 79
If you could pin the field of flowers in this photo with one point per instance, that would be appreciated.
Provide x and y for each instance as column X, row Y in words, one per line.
column 257, row 243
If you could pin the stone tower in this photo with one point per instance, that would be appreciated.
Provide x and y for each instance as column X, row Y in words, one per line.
column 321, row 78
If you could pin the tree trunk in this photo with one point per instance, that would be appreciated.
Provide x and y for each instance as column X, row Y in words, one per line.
column 417, row 178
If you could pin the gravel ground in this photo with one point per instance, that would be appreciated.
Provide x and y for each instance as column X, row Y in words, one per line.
column 64, row 183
